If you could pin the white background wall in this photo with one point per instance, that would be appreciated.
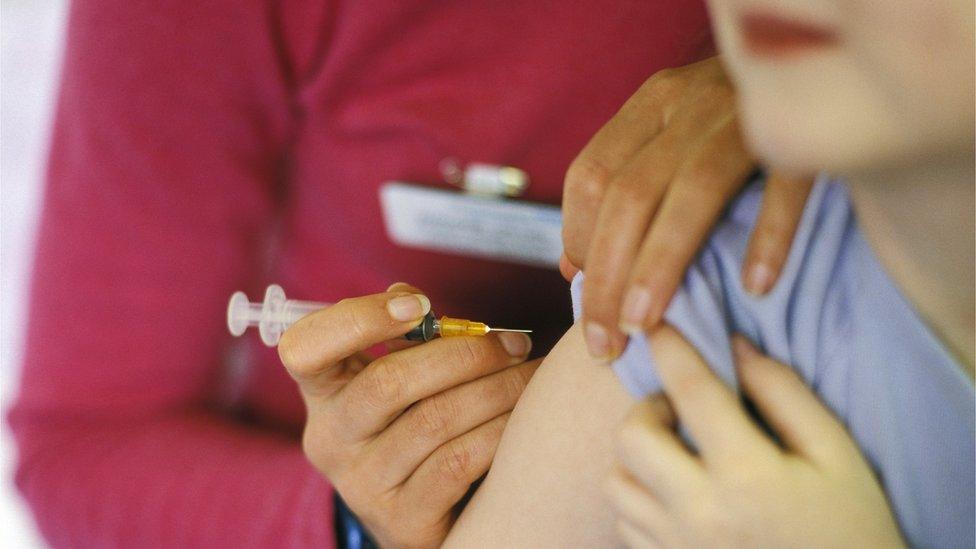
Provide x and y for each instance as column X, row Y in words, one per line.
column 32, row 33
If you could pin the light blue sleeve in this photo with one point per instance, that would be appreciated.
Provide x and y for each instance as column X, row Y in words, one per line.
column 836, row 317
column 699, row 312
column 711, row 306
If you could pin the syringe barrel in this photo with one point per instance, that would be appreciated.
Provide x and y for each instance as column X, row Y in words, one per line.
column 272, row 316
column 277, row 315
column 294, row 310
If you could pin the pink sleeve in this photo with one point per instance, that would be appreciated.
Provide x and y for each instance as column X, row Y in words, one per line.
column 172, row 123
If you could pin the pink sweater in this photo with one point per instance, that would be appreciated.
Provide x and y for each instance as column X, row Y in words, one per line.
column 205, row 147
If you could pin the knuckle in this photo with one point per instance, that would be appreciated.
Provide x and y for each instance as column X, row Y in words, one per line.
column 586, row 183
column 431, row 417
column 688, row 385
column 713, row 519
column 476, row 352
column 345, row 404
column 508, row 386
column 586, row 180
column 705, row 176
column 357, row 326
column 456, row 462
column 717, row 88
column 348, row 313
column 519, row 378
column 629, row 433
column 663, row 88
column 632, row 188
column 664, row 81
column 756, row 469
column 382, row 384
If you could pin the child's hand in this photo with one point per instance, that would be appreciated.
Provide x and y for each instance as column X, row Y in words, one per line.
column 643, row 195
column 742, row 488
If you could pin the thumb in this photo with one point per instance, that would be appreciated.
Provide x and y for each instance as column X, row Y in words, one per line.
column 399, row 344
column 404, row 287
column 804, row 425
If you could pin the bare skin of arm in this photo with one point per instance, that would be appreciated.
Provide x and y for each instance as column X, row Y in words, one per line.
column 546, row 484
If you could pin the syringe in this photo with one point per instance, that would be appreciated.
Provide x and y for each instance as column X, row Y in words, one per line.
column 277, row 313
column 272, row 317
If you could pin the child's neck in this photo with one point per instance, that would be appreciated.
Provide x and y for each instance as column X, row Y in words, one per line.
column 920, row 223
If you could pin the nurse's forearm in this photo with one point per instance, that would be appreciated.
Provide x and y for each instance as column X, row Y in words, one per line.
column 545, row 487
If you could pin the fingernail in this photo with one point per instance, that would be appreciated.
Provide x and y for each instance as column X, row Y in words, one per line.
column 637, row 305
column 516, row 345
column 408, row 307
column 759, row 279
column 597, row 341
column 743, row 349
column 394, row 285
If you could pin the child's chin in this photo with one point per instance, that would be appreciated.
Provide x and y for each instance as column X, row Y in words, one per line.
column 779, row 146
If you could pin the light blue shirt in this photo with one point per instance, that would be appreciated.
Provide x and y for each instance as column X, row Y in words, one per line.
column 837, row 318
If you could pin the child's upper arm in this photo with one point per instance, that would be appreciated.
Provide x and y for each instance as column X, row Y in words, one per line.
column 545, row 485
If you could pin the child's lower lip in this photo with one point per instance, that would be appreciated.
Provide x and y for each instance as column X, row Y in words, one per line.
column 766, row 35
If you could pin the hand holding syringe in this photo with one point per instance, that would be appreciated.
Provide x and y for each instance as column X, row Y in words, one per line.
column 382, row 426
column 277, row 313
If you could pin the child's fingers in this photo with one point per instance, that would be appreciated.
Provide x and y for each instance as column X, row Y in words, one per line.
column 651, row 451
column 708, row 408
column 633, row 537
column 632, row 503
column 790, row 408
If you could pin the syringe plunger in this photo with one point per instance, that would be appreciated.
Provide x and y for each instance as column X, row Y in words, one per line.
column 272, row 317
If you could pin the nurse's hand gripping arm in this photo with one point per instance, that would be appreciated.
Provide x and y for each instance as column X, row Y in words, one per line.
column 401, row 437
column 642, row 196
column 815, row 489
